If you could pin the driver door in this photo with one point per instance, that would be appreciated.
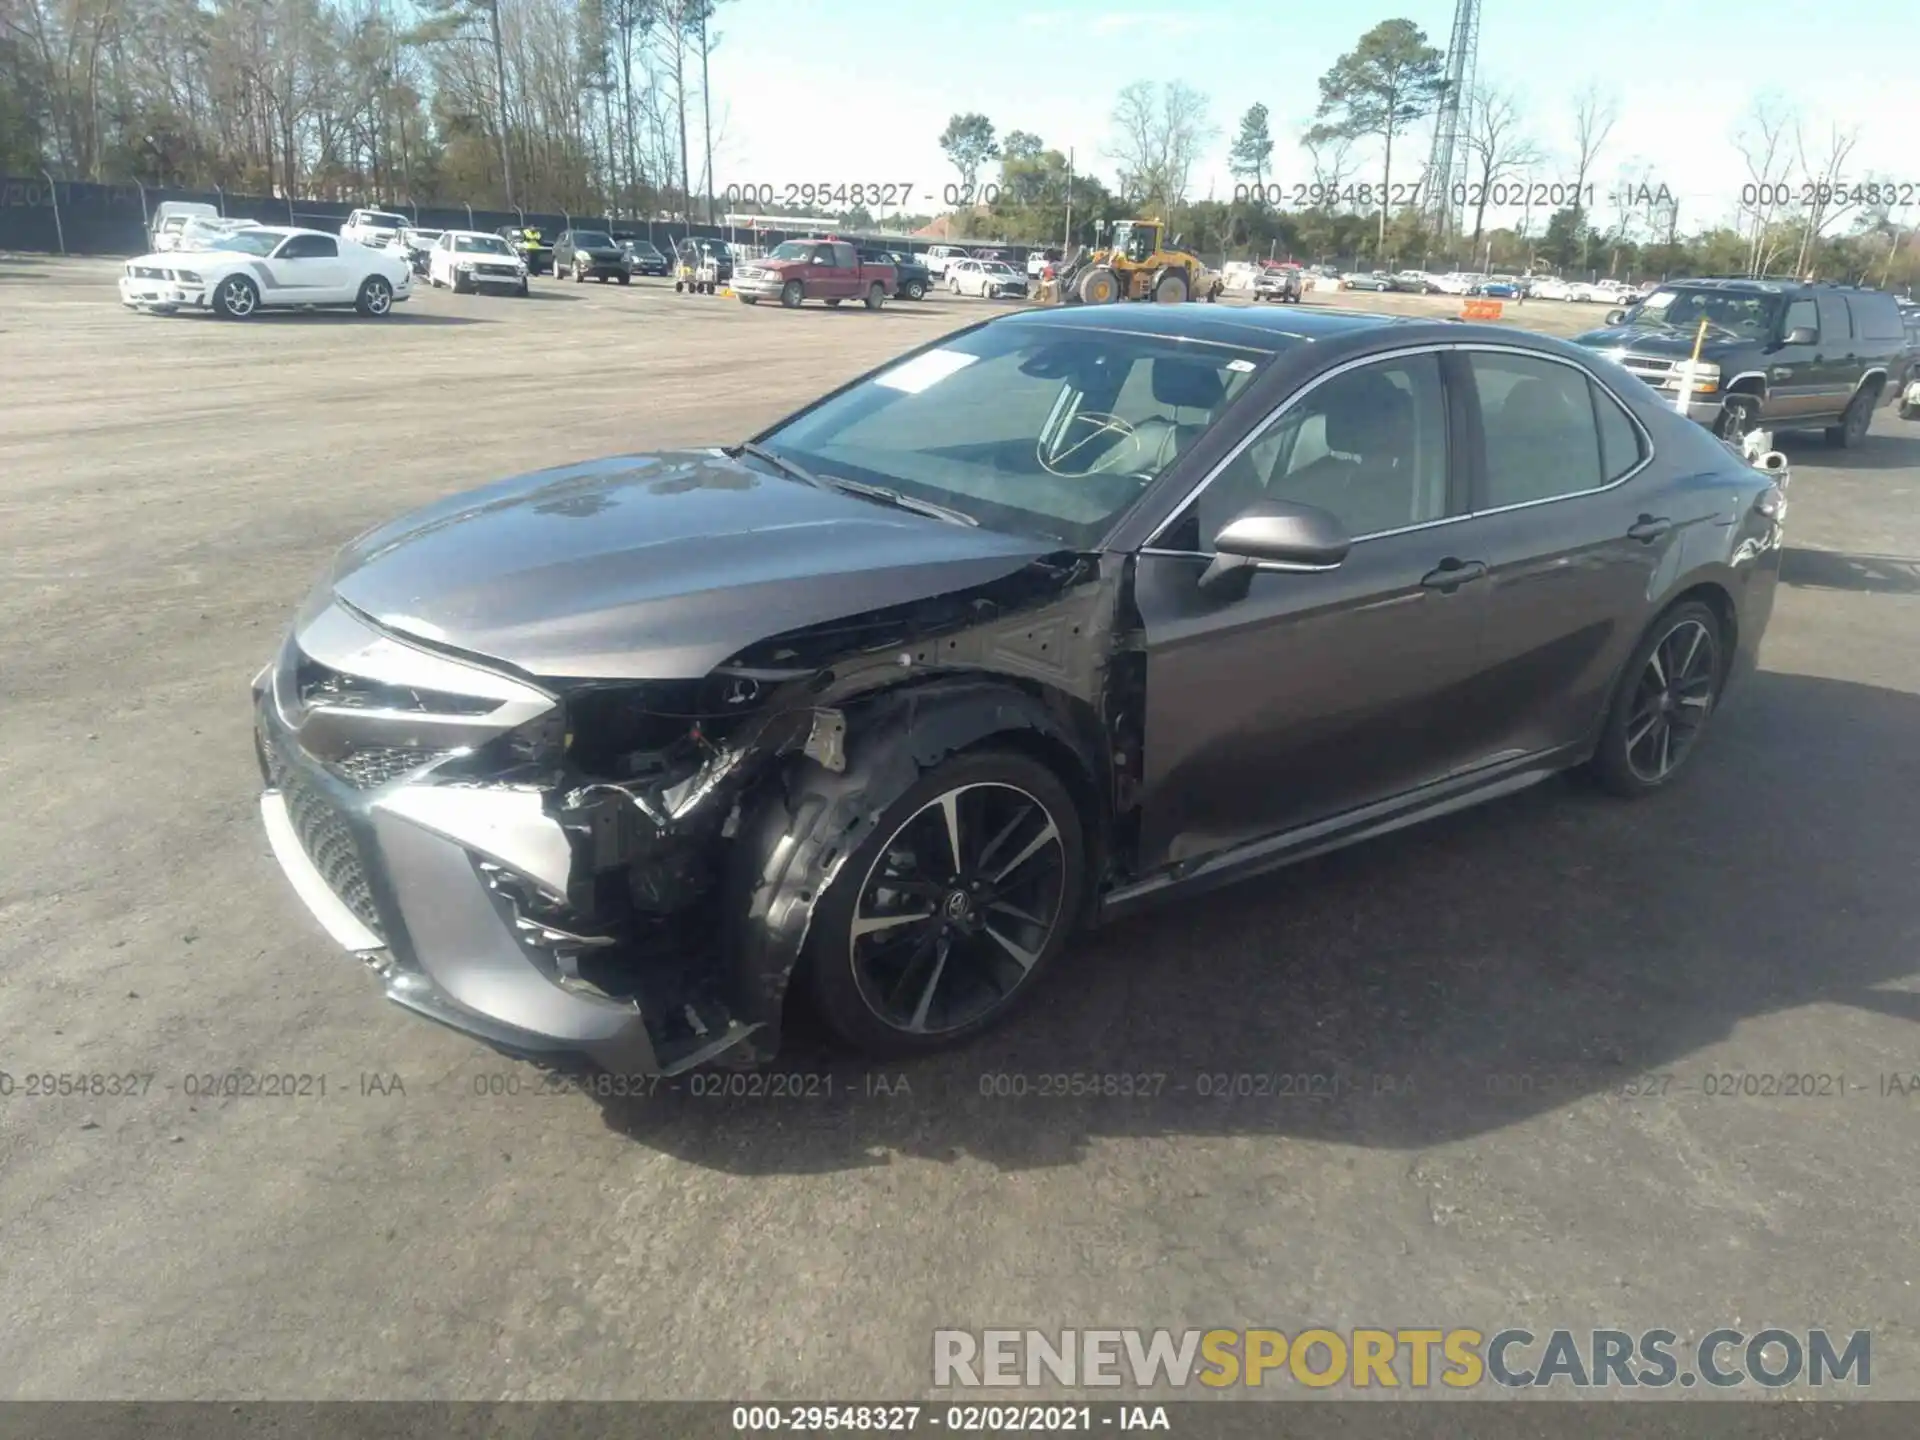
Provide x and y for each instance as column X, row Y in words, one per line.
column 1316, row 694
column 309, row 270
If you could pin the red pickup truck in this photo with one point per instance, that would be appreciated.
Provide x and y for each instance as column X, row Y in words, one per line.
column 796, row 271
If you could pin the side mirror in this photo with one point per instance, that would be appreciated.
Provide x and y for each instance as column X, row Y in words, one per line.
column 1276, row 533
column 1614, row 317
column 1801, row 335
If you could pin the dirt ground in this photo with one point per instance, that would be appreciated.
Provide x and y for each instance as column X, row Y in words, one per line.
column 1491, row 991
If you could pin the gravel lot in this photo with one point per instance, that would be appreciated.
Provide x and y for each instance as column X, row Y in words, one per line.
column 169, row 487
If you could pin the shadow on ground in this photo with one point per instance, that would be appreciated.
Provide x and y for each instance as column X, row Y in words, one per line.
column 1834, row 570
column 1421, row 989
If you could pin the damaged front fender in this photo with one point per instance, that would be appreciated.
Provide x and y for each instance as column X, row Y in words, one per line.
column 795, row 839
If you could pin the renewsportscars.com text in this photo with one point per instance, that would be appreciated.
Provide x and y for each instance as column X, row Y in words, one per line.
column 1411, row 1358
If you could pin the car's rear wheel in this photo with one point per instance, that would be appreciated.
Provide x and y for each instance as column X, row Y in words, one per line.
column 949, row 910
column 236, row 298
column 791, row 294
column 1854, row 420
column 1666, row 697
column 876, row 296
column 626, row 279
column 375, row 298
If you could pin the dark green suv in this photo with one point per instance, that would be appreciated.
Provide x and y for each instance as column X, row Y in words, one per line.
column 1775, row 354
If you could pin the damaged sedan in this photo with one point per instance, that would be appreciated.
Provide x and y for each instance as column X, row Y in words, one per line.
column 1061, row 614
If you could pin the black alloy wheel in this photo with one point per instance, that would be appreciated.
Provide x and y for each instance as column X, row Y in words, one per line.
column 1666, row 697
column 960, row 895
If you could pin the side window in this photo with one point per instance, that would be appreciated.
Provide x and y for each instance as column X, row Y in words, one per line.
column 1875, row 317
column 309, row 247
column 1538, row 418
column 1801, row 313
column 1619, row 437
column 1368, row 446
column 843, row 256
column 1835, row 329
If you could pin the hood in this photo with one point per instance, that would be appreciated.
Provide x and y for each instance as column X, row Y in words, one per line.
column 1656, row 340
column 602, row 252
column 655, row 567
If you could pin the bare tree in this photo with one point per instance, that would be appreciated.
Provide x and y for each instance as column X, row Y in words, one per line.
column 1594, row 116
column 1495, row 148
column 1158, row 134
column 1762, row 138
column 1827, row 193
column 1332, row 161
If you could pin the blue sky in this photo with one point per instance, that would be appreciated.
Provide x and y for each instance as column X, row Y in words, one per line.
column 821, row 90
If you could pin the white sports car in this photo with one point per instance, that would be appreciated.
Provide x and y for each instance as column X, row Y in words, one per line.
column 267, row 267
column 464, row 260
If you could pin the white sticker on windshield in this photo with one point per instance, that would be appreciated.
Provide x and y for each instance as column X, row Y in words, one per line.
column 926, row 370
column 1241, row 365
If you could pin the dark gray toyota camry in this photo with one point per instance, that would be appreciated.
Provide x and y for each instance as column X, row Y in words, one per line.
column 1059, row 615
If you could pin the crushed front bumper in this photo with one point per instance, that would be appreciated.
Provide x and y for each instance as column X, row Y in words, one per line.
column 417, row 875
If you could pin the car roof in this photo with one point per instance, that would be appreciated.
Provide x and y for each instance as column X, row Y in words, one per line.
column 1244, row 326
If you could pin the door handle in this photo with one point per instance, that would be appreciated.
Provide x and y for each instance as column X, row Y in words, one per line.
column 1649, row 528
column 1452, row 574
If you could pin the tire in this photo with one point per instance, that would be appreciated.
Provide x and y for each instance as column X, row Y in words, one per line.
column 524, row 290
column 749, row 299
column 990, row 790
column 1099, row 286
column 601, row 278
column 876, row 296
column 954, row 286
column 236, row 298
column 792, row 293
column 1854, row 420
column 626, row 279
column 579, row 276
column 916, row 290
column 375, row 299
column 1690, row 645
column 455, row 285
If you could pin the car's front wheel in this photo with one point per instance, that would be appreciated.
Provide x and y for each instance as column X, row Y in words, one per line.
column 1665, row 698
column 791, row 294
column 236, row 298
column 375, row 298
column 946, row 914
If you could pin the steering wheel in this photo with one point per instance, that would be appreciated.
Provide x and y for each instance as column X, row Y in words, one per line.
column 1097, row 423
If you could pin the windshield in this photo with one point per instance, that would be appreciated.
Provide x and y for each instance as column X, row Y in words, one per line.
column 1049, row 430
column 994, row 267
column 247, row 242
column 482, row 245
column 791, row 250
column 1748, row 315
column 382, row 222
column 592, row 240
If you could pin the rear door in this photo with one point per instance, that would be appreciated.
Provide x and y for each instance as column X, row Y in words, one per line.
column 1575, row 529
column 1837, row 365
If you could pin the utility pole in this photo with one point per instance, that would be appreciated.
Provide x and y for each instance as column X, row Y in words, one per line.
column 706, row 105
column 1066, row 240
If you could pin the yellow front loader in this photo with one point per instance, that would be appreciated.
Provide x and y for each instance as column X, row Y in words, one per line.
column 1132, row 265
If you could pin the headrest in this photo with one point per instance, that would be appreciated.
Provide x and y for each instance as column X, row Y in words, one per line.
column 1187, row 384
